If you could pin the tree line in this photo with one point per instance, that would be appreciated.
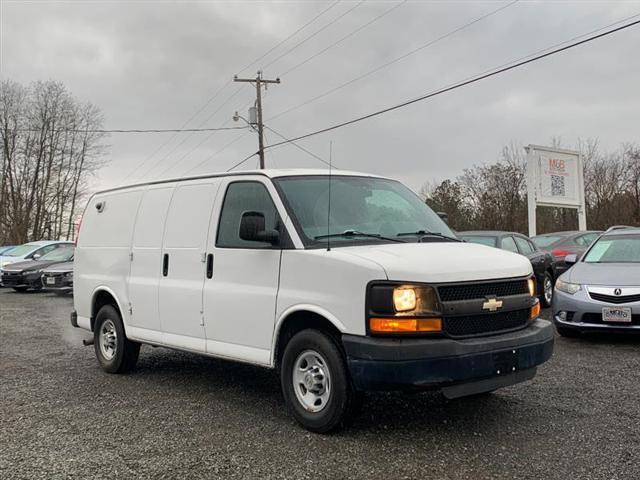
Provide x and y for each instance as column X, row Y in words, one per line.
column 494, row 196
column 49, row 151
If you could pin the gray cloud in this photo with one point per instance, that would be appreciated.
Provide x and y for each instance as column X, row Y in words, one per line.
column 153, row 64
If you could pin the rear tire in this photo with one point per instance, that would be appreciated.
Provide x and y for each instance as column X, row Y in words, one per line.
column 20, row 289
column 114, row 351
column 316, row 384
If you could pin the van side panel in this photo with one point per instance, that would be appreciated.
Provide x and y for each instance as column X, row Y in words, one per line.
column 102, row 255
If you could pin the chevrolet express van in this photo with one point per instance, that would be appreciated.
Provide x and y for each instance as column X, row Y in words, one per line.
column 343, row 283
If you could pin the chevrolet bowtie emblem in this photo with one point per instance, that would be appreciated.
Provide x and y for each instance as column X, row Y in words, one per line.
column 492, row 305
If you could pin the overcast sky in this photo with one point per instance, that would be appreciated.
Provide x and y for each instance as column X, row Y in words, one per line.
column 153, row 64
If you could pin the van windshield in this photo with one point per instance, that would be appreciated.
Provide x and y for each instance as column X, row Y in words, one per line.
column 366, row 207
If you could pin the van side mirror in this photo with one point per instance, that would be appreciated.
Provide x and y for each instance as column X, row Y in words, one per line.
column 571, row 259
column 252, row 229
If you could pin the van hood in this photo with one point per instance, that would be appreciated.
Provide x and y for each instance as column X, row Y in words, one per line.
column 441, row 262
column 607, row 274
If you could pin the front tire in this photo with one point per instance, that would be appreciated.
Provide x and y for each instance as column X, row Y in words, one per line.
column 567, row 332
column 547, row 290
column 315, row 382
column 114, row 351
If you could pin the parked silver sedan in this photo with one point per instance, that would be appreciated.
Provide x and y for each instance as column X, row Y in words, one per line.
column 601, row 291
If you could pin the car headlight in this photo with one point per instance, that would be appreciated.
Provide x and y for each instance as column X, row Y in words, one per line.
column 566, row 287
column 69, row 275
column 29, row 272
column 403, row 309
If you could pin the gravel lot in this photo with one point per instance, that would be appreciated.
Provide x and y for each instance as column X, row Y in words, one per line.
column 184, row 415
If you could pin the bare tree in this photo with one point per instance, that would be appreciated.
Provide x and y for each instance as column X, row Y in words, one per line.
column 49, row 150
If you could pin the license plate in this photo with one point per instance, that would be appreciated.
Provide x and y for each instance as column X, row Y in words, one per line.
column 616, row 314
column 51, row 281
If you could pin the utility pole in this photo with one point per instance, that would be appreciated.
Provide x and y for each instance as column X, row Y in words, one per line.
column 259, row 81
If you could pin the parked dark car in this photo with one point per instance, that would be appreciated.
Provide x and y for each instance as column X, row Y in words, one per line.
column 543, row 263
column 561, row 244
column 22, row 276
column 58, row 278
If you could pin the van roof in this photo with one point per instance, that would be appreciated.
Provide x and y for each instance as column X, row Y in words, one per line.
column 269, row 172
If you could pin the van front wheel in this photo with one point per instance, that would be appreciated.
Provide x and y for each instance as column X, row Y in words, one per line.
column 114, row 351
column 315, row 382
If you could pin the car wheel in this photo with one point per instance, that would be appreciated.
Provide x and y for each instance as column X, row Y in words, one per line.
column 21, row 289
column 114, row 351
column 547, row 290
column 567, row 332
column 316, row 384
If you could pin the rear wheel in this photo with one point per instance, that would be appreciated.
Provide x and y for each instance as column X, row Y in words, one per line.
column 114, row 351
column 315, row 382
column 547, row 290
column 20, row 289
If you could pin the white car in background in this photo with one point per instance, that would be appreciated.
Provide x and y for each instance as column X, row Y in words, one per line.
column 30, row 251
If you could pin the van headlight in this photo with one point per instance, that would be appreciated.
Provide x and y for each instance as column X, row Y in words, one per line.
column 403, row 309
column 566, row 287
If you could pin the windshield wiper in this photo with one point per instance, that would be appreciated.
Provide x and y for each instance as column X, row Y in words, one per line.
column 355, row 233
column 425, row 233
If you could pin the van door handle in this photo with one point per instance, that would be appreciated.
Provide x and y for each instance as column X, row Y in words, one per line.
column 210, row 265
column 165, row 265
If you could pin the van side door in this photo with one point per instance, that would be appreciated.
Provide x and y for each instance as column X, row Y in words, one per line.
column 146, row 261
column 182, row 264
column 242, row 281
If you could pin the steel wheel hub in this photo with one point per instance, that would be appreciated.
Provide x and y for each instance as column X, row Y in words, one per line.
column 548, row 289
column 311, row 381
column 108, row 339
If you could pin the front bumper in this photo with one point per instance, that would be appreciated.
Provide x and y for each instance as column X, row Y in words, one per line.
column 585, row 314
column 18, row 279
column 459, row 367
column 57, row 282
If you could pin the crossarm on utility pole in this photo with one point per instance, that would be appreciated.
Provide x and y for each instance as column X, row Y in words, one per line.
column 259, row 81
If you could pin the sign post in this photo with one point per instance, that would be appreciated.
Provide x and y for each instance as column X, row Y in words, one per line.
column 554, row 179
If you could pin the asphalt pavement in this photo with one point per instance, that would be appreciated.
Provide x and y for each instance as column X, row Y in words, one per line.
column 184, row 416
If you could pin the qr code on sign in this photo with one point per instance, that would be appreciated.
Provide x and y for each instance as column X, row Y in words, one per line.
column 557, row 186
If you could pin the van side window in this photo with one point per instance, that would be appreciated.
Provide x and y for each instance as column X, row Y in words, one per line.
column 244, row 197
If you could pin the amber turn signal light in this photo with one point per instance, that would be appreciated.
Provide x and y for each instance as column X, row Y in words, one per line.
column 405, row 325
column 535, row 311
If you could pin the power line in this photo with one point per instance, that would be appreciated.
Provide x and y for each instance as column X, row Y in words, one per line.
column 194, row 148
column 165, row 130
column 225, row 85
column 184, row 140
column 210, row 157
column 287, row 140
column 349, row 35
column 304, row 40
column 242, row 161
column 395, row 60
column 290, row 36
column 463, row 83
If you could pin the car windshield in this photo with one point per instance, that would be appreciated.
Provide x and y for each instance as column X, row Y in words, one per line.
column 63, row 254
column 615, row 249
column 21, row 250
column 362, row 205
column 544, row 241
column 480, row 239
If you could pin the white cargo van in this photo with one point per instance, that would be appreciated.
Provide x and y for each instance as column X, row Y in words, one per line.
column 343, row 283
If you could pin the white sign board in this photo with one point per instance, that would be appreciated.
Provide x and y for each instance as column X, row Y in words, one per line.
column 554, row 179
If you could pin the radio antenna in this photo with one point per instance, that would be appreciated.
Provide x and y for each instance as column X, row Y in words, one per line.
column 329, row 202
